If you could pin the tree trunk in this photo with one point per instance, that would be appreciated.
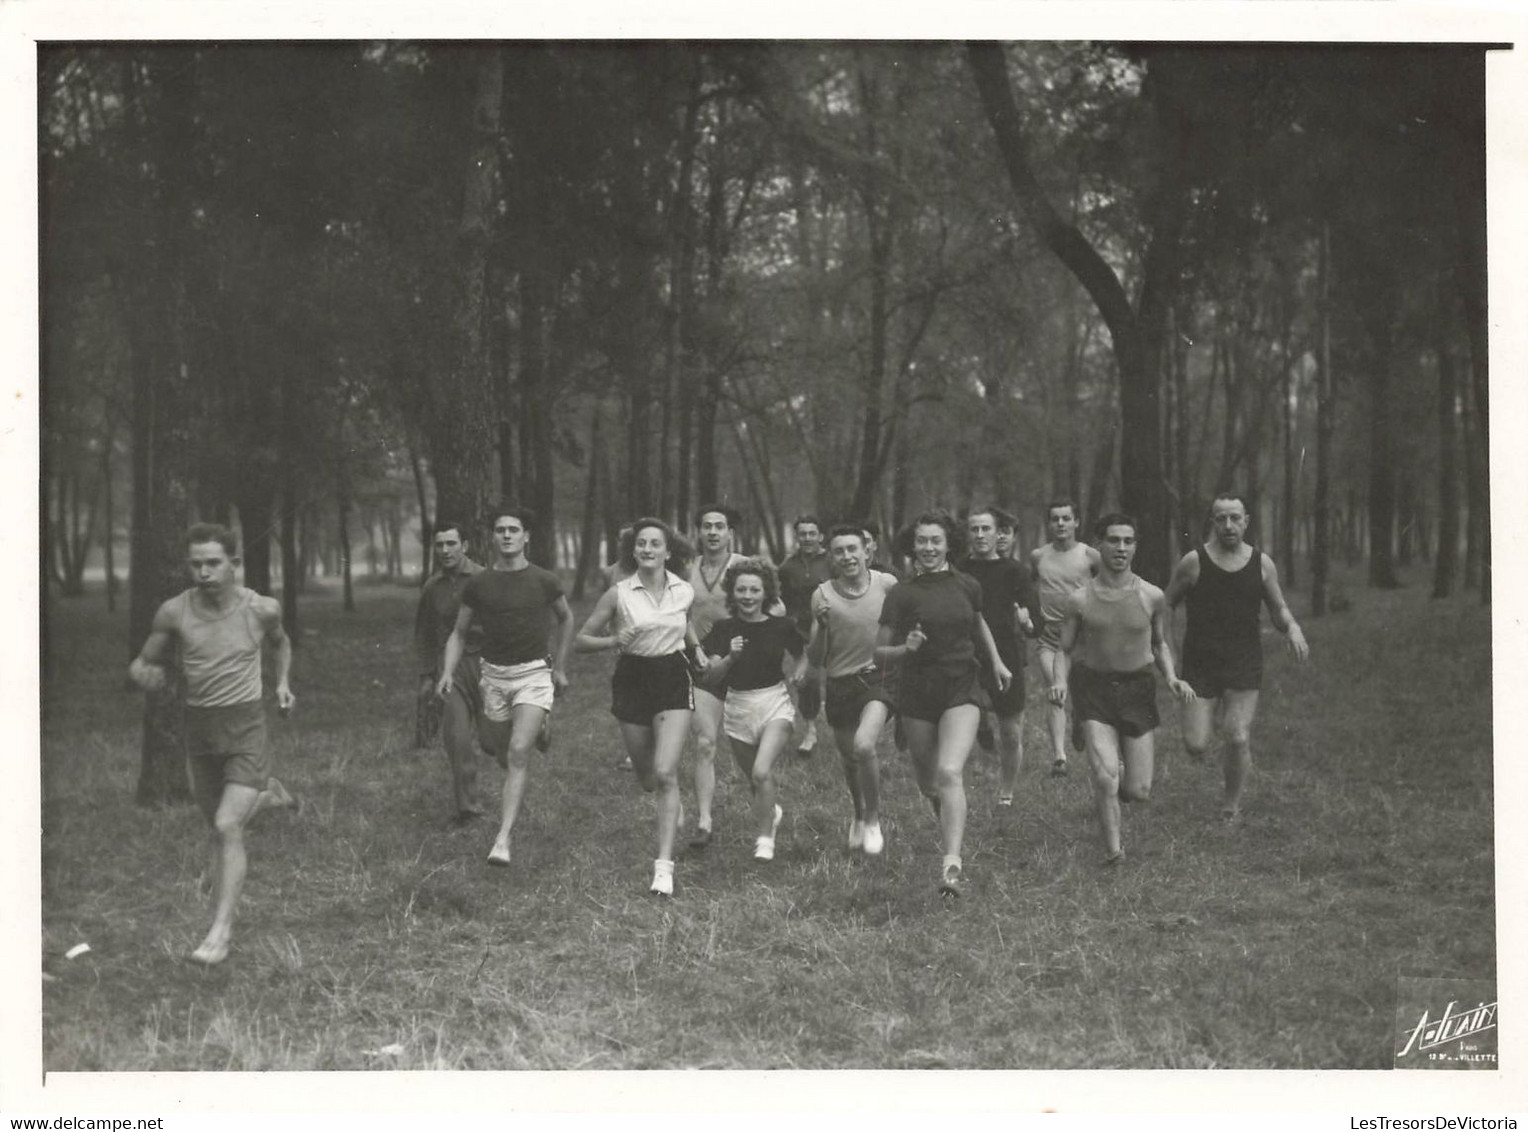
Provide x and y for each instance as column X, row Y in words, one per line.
column 1289, row 521
column 1476, row 488
column 256, row 519
column 462, row 440
column 426, row 524
column 589, row 528
column 342, row 531
column 1321, row 549
column 1137, row 333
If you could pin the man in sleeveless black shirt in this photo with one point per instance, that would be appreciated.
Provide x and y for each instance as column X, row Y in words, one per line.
column 1224, row 582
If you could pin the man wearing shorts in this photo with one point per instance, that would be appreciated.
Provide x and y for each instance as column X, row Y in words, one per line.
column 439, row 603
column 1010, row 607
column 714, row 524
column 804, row 569
column 846, row 616
column 1116, row 624
column 514, row 605
column 219, row 629
column 1060, row 568
column 1225, row 581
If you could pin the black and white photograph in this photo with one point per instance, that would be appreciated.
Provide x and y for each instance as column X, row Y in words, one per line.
column 606, row 546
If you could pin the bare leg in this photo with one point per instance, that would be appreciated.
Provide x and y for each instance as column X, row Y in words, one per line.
column 669, row 731
column 457, row 736
column 844, row 739
column 1010, row 751
column 957, row 732
column 707, row 724
column 803, row 729
column 922, row 745
column 1055, row 714
column 1198, row 718
column 1139, row 757
column 1236, row 735
column 233, row 812
column 524, row 728
column 762, row 778
column 1103, row 756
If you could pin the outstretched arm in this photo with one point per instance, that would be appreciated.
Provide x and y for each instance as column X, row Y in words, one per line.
column 456, row 644
column 1278, row 609
column 1063, row 664
column 1161, row 649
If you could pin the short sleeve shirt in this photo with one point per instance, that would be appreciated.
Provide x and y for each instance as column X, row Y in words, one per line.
column 514, row 609
column 1005, row 583
column 765, row 644
column 946, row 603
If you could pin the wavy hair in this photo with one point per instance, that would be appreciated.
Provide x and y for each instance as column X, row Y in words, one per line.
column 762, row 570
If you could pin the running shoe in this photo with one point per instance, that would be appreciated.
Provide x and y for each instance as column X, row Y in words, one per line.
column 663, row 879
column 951, row 883
column 764, row 849
column 874, row 841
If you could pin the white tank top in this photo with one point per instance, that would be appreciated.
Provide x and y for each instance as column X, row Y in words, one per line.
column 661, row 623
column 220, row 655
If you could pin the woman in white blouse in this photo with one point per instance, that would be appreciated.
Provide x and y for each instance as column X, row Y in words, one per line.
column 646, row 617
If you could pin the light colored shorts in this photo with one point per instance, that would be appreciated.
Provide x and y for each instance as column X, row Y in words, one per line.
column 749, row 711
column 505, row 686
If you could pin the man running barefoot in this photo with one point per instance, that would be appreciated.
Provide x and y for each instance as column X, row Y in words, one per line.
column 1116, row 624
column 219, row 628
column 1061, row 567
column 1011, row 608
column 1225, row 582
column 514, row 604
column 846, row 618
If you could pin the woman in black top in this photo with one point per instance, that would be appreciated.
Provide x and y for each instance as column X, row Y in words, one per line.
column 933, row 624
column 746, row 652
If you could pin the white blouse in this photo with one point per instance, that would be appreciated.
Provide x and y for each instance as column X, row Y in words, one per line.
column 661, row 621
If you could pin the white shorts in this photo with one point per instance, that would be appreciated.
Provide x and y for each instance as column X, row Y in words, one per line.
column 505, row 686
column 749, row 711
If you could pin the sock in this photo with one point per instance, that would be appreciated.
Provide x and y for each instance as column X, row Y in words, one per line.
column 951, row 861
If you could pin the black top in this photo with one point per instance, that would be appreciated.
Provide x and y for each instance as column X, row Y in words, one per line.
column 765, row 644
column 947, row 604
column 1005, row 583
column 514, row 608
column 1223, row 608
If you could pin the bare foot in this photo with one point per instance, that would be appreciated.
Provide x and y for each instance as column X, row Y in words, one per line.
column 211, row 952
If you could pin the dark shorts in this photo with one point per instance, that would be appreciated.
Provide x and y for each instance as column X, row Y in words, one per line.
column 1125, row 701
column 848, row 695
column 645, row 685
column 928, row 693
column 1210, row 674
column 1010, row 702
column 1050, row 634
column 228, row 744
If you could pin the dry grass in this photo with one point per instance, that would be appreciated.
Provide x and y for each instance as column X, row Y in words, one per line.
column 373, row 936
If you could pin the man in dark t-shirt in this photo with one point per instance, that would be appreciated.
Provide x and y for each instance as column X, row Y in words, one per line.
column 803, row 570
column 514, row 605
column 1011, row 607
column 1225, row 582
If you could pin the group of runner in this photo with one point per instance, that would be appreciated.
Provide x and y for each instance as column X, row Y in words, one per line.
column 719, row 642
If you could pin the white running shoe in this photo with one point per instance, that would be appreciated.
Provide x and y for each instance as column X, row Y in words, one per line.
column 874, row 841
column 856, row 834
column 764, row 849
column 663, row 878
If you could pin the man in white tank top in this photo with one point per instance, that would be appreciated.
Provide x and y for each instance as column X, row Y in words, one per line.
column 219, row 629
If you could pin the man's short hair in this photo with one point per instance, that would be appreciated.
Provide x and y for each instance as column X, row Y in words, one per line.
column 1057, row 503
column 1230, row 496
column 1115, row 519
column 1002, row 520
column 508, row 507
column 731, row 514
column 808, row 518
column 450, row 524
column 213, row 532
column 847, row 530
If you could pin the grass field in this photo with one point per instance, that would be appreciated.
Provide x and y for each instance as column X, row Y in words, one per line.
column 372, row 934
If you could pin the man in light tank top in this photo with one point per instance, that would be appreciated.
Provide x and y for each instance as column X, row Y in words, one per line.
column 219, row 628
column 1225, row 582
column 1111, row 631
column 1060, row 568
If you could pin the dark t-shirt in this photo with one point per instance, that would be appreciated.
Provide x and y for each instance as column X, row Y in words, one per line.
column 1005, row 583
column 514, row 608
column 765, row 644
column 946, row 603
